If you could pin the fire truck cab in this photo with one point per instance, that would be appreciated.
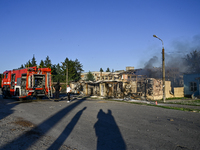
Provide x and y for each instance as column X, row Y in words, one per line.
column 27, row 82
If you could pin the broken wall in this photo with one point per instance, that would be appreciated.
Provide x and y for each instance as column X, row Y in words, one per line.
column 144, row 88
column 154, row 89
column 179, row 92
column 168, row 90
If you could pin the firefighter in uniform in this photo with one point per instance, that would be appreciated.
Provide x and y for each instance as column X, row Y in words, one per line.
column 57, row 88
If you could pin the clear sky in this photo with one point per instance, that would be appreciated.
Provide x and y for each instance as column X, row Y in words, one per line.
column 99, row 33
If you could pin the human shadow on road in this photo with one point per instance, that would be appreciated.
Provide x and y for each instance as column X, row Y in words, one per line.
column 6, row 107
column 29, row 138
column 108, row 133
column 68, row 129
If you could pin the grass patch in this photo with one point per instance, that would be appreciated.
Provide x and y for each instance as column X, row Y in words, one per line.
column 176, row 98
column 190, row 102
column 179, row 108
column 166, row 107
column 197, row 101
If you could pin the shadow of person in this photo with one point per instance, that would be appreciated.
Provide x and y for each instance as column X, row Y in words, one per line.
column 6, row 106
column 33, row 135
column 68, row 129
column 108, row 133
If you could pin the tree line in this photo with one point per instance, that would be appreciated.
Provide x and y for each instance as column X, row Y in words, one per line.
column 75, row 68
column 90, row 77
column 58, row 71
column 192, row 61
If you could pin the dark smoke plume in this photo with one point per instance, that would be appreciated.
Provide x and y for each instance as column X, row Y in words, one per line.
column 177, row 56
column 180, row 59
column 151, row 63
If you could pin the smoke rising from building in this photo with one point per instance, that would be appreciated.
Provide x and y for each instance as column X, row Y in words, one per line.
column 176, row 56
column 176, row 61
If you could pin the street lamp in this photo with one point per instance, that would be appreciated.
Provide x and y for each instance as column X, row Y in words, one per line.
column 163, row 66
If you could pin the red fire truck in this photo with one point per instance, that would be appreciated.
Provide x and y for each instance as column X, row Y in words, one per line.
column 27, row 82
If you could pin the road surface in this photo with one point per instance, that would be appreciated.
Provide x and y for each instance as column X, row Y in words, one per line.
column 86, row 124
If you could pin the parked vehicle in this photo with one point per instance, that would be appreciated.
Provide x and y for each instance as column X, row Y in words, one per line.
column 26, row 82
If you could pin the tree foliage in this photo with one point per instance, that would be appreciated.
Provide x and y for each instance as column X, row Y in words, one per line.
column 108, row 70
column 192, row 62
column 89, row 77
column 41, row 64
column 101, row 70
column 74, row 69
column 58, row 71
column 47, row 62
column 22, row 66
column 30, row 63
column 33, row 61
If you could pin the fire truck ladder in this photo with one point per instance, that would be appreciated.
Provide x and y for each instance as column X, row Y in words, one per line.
column 50, row 94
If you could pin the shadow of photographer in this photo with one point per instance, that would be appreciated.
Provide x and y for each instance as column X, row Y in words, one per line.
column 108, row 133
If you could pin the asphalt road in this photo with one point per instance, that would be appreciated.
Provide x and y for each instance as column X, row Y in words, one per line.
column 86, row 124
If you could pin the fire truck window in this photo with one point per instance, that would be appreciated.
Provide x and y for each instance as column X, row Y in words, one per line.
column 18, row 81
column 13, row 77
column 6, row 75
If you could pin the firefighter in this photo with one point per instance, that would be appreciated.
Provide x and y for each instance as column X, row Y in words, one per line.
column 57, row 88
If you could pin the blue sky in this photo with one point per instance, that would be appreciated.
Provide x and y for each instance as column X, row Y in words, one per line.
column 99, row 33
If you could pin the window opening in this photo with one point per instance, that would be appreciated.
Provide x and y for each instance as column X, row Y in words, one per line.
column 193, row 86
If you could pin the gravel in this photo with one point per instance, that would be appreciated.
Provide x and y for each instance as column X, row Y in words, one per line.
column 13, row 127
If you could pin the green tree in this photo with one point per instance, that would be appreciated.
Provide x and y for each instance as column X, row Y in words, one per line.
column 192, row 61
column 89, row 77
column 57, row 74
column 41, row 64
column 54, row 73
column 33, row 61
column 64, row 66
column 108, row 70
column 101, row 70
column 28, row 64
column 59, row 71
column 47, row 62
column 22, row 66
column 74, row 69
column 79, row 69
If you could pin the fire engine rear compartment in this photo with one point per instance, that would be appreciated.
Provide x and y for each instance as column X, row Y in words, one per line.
column 36, row 85
column 28, row 82
column 38, row 81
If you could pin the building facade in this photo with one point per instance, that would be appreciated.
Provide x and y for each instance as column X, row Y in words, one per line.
column 127, row 84
column 191, row 84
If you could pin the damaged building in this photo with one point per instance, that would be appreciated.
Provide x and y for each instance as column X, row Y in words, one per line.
column 192, row 85
column 126, row 84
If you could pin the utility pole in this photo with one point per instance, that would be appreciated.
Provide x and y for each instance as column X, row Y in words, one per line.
column 163, row 66
column 163, row 71
column 67, row 75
